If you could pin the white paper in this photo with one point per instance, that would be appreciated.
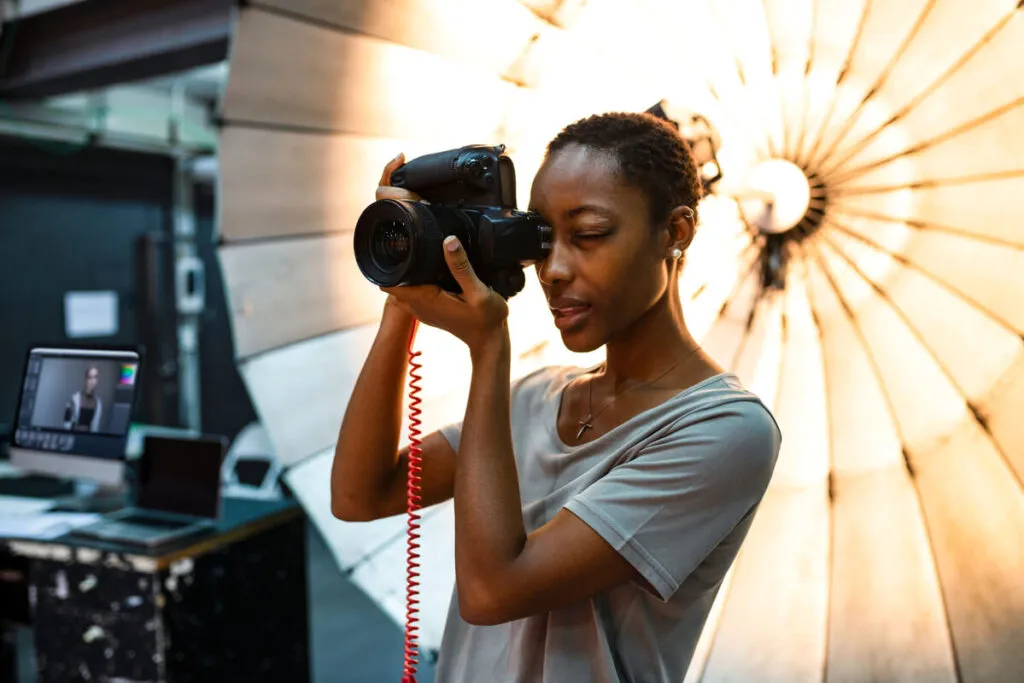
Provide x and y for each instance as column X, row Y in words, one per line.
column 90, row 314
column 45, row 525
column 18, row 505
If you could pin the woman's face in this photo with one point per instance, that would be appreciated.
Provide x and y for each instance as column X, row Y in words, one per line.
column 92, row 378
column 607, row 264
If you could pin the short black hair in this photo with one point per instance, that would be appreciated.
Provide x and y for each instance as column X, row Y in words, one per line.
column 651, row 154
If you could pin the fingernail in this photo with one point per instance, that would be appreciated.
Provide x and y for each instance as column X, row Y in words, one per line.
column 398, row 156
column 451, row 243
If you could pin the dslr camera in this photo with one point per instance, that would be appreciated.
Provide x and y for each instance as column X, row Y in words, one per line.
column 469, row 192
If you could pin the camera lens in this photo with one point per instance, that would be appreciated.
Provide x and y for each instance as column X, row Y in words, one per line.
column 391, row 244
column 398, row 242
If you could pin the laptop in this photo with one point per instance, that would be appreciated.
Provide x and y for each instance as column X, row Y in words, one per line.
column 178, row 493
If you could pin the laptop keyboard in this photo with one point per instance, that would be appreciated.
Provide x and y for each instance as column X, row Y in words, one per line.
column 151, row 522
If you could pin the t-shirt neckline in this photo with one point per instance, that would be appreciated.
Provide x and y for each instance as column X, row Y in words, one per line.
column 569, row 376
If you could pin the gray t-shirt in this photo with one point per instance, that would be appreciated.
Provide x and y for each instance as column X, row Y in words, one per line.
column 674, row 490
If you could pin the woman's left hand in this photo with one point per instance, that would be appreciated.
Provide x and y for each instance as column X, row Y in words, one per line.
column 477, row 316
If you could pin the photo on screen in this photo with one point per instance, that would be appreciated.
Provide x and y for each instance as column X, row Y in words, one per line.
column 83, row 395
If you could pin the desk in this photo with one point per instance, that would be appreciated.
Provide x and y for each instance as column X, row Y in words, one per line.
column 227, row 606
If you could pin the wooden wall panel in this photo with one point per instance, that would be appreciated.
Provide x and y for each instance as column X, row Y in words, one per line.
column 300, row 392
column 295, row 74
column 291, row 290
column 491, row 34
column 278, row 183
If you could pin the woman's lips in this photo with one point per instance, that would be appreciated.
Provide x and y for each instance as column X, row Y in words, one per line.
column 567, row 317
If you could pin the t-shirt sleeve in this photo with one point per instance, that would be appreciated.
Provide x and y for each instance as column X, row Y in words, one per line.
column 452, row 432
column 668, row 507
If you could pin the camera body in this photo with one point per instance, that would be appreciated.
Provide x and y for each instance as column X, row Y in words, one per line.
column 469, row 192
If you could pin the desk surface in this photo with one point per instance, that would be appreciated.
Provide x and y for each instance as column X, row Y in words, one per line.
column 240, row 518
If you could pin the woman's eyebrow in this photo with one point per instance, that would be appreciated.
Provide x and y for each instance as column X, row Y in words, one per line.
column 589, row 208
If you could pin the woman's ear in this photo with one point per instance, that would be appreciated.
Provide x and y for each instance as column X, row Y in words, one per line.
column 683, row 226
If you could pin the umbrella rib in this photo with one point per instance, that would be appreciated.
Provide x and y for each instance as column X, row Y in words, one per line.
column 935, row 227
column 910, row 264
column 801, row 251
column 876, row 86
column 924, row 94
column 744, row 274
column 858, row 330
column 743, row 81
column 848, row 310
column 806, row 90
column 901, row 314
column 920, row 147
column 819, row 137
column 748, row 328
column 774, row 56
column 936, row 182
column 740, row 257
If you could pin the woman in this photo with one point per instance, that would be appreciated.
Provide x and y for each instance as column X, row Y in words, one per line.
column 596, row 511
column 82, row 413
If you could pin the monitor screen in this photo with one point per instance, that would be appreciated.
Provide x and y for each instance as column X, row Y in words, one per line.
column 181, row 475
column 77, row 401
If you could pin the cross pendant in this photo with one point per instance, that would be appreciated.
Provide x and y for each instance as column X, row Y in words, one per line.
column 584, row 426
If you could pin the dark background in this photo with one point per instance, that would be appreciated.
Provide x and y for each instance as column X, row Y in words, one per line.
column 71, row 218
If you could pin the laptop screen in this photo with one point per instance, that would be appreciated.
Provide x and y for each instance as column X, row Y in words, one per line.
column 77, row 401
column 182, row 476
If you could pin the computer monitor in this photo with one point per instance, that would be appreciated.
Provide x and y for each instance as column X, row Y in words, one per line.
column 73, row 415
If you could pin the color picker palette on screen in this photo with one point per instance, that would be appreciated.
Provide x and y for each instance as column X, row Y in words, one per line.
column 128, row 372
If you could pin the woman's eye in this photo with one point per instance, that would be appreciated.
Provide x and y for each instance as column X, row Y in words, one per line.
column 591, row 235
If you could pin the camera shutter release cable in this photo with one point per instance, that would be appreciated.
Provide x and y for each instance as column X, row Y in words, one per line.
column 413, row 504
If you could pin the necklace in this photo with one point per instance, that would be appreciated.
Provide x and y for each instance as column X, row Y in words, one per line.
column 587, row 422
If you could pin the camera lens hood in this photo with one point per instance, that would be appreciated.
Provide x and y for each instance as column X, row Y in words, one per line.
column 397, row 242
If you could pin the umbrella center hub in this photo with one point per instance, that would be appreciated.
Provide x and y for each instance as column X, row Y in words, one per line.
column 792, row 192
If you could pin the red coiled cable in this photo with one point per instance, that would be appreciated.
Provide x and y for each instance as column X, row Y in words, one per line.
column 412, row 507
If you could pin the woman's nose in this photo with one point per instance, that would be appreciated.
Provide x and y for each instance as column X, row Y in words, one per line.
column 556, row 267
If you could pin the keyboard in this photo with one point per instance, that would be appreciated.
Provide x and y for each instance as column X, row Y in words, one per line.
column 143, row 529
column 36, row 486
column 152, row 522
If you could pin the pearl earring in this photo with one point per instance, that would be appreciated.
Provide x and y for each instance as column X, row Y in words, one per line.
column 677, row 253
